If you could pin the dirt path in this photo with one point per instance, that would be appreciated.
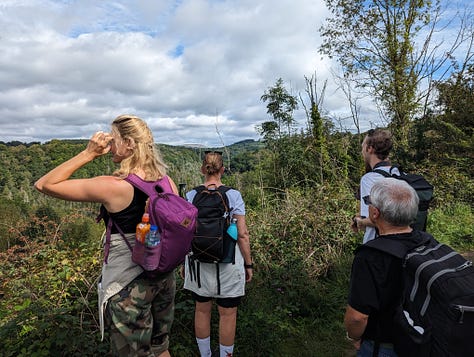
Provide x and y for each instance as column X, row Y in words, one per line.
column 469, row 255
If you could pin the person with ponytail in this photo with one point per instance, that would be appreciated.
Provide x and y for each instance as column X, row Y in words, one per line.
column 232, row 276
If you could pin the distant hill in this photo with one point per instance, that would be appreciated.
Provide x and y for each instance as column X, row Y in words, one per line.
column 244, row 145
column 247, row 143
column 24, row 163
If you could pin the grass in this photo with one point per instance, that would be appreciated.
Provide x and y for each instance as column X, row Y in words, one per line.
column 293, row 307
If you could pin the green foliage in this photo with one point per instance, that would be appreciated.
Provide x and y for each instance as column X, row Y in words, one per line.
column 301, row 246
column 447, row 137
column 44, row 221
column 376, row 44
column 49, row 303
column 10, row 220
column 451, row 185
column 280, row 105
column 297, row 238
column 453, row 224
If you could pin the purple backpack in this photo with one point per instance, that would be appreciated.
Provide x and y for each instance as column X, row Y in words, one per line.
column 176, row 221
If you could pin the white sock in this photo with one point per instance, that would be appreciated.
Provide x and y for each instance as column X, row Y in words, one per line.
column 204, row 345
column 226, row 351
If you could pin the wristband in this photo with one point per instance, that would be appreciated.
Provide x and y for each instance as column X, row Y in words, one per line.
column 349, row 338
column 248, row 266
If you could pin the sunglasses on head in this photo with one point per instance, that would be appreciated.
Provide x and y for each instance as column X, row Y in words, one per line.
column 212, row 152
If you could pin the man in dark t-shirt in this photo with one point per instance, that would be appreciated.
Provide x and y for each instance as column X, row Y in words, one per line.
column 376, row 277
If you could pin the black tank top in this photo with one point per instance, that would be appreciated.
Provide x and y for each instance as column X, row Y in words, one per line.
column 128, row 218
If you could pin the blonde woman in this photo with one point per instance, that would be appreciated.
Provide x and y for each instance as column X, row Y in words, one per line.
column 137, row 311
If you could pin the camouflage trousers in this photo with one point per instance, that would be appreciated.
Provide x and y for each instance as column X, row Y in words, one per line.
column 139, row 317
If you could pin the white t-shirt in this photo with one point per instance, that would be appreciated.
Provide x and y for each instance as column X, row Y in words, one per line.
column 366, row 183
column 231, row 276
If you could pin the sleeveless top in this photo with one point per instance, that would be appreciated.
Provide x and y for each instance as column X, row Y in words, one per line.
column 128, row 218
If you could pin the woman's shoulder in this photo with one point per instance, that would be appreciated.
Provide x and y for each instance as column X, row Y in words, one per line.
column 232, row 191
column 235, row 198
column 114, row 181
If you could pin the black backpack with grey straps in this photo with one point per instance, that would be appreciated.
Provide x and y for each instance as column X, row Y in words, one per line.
column 211, row 242
column 423, row 189
column 435, row 316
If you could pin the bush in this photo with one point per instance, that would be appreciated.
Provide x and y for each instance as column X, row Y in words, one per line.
column 453, row 225
column 49, row 306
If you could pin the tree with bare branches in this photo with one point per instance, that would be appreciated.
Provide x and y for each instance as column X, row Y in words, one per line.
column 392, row 50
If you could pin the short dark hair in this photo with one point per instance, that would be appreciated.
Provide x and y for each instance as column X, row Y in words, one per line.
column 381, row 141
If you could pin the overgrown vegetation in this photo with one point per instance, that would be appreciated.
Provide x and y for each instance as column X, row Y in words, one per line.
column 301, row 246
column 299, row 191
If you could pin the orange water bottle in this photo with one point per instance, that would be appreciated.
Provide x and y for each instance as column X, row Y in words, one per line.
column 143, row 228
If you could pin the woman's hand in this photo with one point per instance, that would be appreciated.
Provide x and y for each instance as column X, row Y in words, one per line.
column 56, row 183
column 99, row 144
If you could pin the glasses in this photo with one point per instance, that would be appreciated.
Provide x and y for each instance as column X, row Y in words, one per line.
column 367, row 200
column 212, row 152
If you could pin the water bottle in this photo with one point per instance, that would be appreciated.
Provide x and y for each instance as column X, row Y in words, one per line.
column 153, row 236
column 143, row 228
column 182, row 190
column 232, row 230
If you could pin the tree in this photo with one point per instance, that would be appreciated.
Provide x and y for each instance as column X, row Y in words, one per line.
column 446, row 134
column 281, row 105
column 317, row 146
column 284, row 152
column 456, row 98
column 386, row 47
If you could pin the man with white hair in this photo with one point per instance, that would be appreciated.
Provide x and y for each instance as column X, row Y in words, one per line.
column 376, row 277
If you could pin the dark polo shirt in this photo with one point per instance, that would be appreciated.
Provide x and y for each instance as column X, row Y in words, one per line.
column 376, row 286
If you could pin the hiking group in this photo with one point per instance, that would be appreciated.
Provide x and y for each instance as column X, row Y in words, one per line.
column 138, row 283
column 409, row 295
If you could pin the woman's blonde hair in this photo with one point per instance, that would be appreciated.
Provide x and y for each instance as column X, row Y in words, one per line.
column 138, row 137
column 212, row 163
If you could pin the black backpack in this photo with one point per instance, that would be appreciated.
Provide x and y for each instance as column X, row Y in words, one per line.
column 211, row 243
column 435, row 316
column 422, row 187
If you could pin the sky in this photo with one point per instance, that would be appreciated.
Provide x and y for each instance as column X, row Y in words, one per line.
column 194, row 70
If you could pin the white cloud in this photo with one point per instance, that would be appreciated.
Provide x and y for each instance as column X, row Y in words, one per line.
column 68, row 68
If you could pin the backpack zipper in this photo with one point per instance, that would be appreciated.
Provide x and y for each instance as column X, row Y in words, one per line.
column 462, row 309
column 416, row 283
column 409, row 255
column 436, row 276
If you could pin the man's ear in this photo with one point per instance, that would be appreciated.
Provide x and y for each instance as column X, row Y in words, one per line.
column 374, row 213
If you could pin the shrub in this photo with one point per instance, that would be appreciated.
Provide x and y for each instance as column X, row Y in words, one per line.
column 453, row 225
column 50, row 303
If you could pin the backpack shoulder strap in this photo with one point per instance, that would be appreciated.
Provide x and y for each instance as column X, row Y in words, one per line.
column 199, row 188
column 389, row 246
column 108, row 233
column 148, row 187
column 223, row 190
column 382, row 163
column 395, row 247
column 145, row 186
column 382, row 172
column 385, row 173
